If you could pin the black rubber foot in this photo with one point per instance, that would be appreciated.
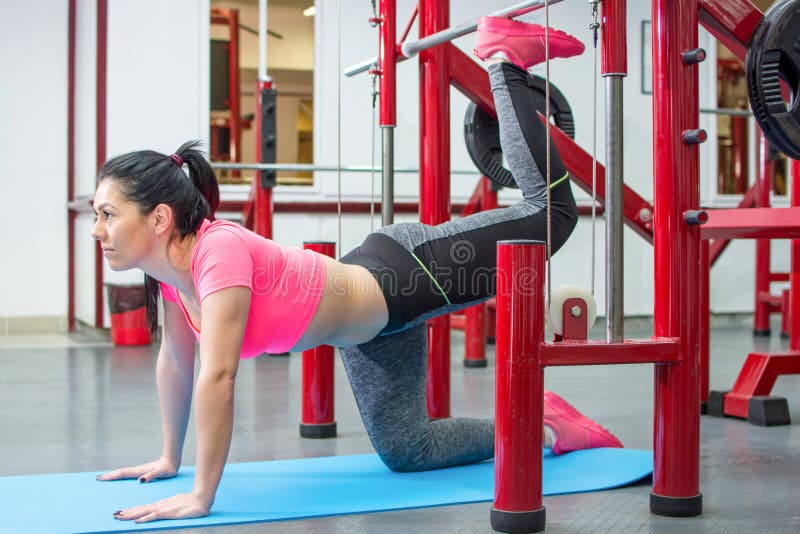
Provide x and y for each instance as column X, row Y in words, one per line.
column 768, row 411
column 323, row 431
column 703, row 407
column 281, row 354
column 474, row 363
column 676, row 506
column 518, row 522
column 761, row 333
column 490, row 341
column 716, row 403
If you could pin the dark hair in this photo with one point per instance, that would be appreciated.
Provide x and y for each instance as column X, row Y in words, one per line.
column 149, row 178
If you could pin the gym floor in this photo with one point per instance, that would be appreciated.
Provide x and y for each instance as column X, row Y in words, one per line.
column 77, row 403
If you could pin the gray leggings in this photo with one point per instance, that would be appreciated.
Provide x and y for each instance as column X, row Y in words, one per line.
column 456, row 261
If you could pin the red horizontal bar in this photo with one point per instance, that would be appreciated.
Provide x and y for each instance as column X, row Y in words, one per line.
column 769, row 298
column 778, row 277
column 732, row 22
column 718, row 246
column 655, row 350
column 752, row 223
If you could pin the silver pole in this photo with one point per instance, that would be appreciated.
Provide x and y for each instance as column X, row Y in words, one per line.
column 613, row 211
column 412, row 48
column 387, row 195
column 262, row 41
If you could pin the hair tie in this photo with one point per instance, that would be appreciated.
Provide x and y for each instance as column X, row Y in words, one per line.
column 177, row 159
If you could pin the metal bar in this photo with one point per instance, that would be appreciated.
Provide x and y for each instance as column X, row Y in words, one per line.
column 388, row 104
column 100, row 140
column 301, row 167
column 234, row 87
column 317, row 419
column 71, row 39
column 615, row 67
column 766, row 171
column 752, row 223
column 676, row 431
column 410, row 23
column 595, row 352
column 261, row 209
column 412, row 48
column 415, row 47
column 435, row 183
column 732, row 22
column 733, row 112
column 262, row 40
column 387, row 192
column 718, row 246
column 519, row 388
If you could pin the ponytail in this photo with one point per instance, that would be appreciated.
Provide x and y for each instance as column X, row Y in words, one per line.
column 149, row 178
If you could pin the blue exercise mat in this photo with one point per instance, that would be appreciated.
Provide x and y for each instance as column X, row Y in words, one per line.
column 292, row 489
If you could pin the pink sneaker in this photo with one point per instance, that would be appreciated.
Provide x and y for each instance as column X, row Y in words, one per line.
column 522, row 43
column 572, row 430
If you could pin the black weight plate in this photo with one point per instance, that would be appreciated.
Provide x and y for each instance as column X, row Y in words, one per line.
column 774, row 56
column 482, row 134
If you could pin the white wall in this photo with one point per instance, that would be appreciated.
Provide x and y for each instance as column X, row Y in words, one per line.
column 33, row 178
column 157, row 98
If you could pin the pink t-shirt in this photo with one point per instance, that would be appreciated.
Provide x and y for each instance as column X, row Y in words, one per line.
column 286, row 283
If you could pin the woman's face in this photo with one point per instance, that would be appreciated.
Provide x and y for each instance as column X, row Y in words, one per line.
column 124, row 234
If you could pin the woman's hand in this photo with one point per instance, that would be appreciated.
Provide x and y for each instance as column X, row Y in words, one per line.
column 181, row 506
column 161, row 468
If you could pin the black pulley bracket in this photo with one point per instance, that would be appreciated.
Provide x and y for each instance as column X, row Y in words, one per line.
column 482, row 133
column 773, row 55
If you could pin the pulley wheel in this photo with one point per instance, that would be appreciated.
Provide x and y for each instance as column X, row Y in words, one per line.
column 774, row 56
column 482, row 133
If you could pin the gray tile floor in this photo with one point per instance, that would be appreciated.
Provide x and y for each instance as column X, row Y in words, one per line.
column 76, row 403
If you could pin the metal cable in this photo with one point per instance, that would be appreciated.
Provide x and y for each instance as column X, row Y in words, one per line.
column 339, row 124
column 547, row 136
column 594, row 26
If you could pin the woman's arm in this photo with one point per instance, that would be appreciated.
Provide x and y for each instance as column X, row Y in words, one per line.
column 175, row 377
column 224, row 317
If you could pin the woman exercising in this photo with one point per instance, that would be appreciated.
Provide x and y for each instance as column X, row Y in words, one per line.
column 240, row 295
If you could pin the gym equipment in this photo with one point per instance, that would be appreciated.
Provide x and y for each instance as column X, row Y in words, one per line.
column 773, row 56
column 292, row 489
column 571, row 296
column 482, row 135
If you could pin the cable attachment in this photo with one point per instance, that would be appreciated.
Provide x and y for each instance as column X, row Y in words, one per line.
column 375, row 19
column 374, row 73
column 594, row 26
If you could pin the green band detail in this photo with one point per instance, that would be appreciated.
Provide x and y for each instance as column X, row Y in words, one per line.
column 552, row 185
column 432, row 278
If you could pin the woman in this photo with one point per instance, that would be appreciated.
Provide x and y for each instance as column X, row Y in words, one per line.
column 240, row 295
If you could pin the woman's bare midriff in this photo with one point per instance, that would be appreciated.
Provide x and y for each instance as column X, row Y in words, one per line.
column 352, row 309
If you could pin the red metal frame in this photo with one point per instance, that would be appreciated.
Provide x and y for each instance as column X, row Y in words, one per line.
column 435, row 182
column 614, row 47
column 230, row 18
column 766, row 177
column 318, row 371
column 100, row 140
column 71, row 164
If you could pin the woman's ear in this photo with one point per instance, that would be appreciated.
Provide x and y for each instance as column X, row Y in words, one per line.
column 161, row 218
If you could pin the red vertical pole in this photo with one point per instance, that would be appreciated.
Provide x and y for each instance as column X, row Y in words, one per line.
column 102, row 34
column 234, row 87
column 794, row 274
column 519, row 390
column 739, row 153
column 476, row 319
column 765, row 178
column 318, row 406
column 676, row 465
column 705, row 318
column 262, row 220
column 388, row 63
column 71, row 165
column 435, row 182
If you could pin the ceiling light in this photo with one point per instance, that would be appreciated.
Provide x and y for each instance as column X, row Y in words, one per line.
column 310, row 11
